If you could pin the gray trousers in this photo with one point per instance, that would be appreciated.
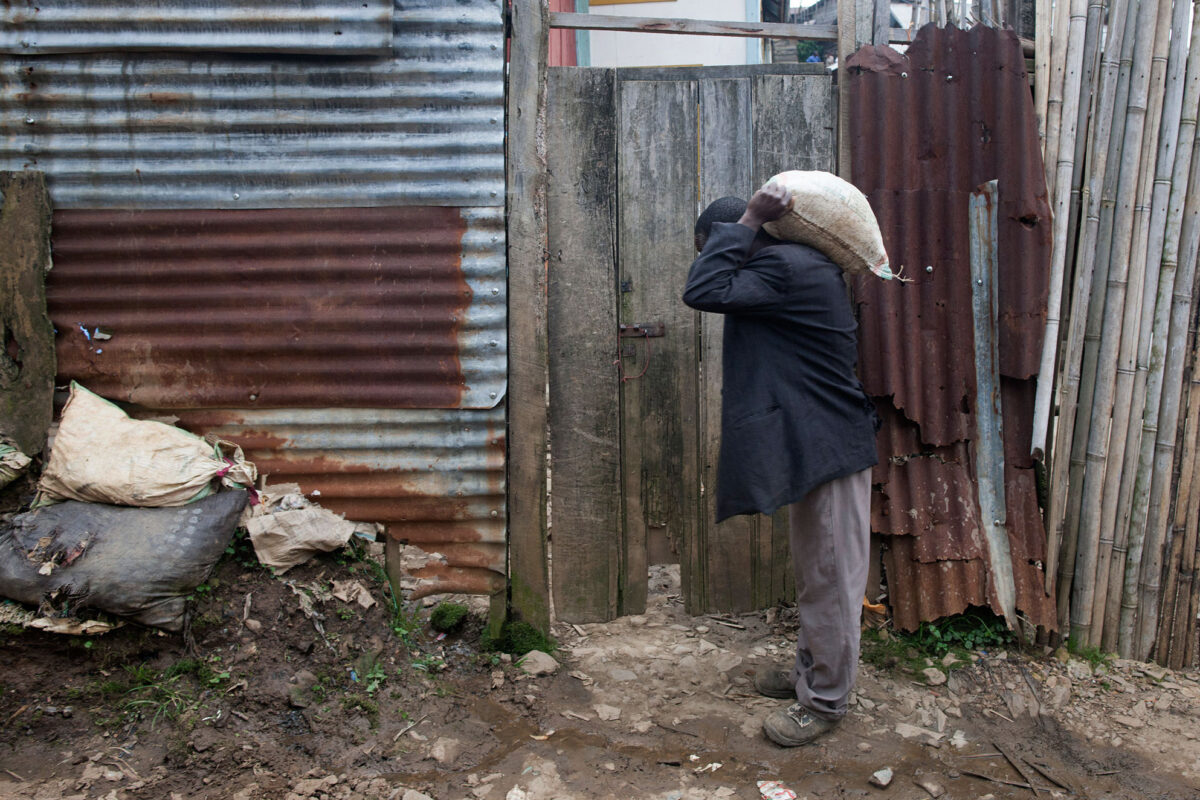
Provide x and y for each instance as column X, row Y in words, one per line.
column 831, row 543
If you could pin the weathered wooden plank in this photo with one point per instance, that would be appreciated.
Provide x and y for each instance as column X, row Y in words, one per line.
column 656, row 209
column 716, row 574
column 704, row 27
column 693, row 27
column 793, row 124
column 584, row 386
column 793, row 129
column 528, row 368
column 27, row 362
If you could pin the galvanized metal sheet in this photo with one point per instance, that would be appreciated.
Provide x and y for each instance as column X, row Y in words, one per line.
column 332, row 27
column 423, row 126
column 958, row 114
column 435, row 479
column 399, row 307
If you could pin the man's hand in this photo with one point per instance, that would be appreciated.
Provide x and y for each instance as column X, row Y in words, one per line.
column 769, row 203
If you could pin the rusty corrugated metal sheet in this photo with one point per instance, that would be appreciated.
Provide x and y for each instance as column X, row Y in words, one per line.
column 341, row 307
column 328, row 27
column 423, row 126
column 956, row 113
column 434, row 478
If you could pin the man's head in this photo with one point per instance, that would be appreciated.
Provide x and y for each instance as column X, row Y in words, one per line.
column 727, row 209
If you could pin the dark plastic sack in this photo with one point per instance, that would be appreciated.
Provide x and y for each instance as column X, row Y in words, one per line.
column 139, row 563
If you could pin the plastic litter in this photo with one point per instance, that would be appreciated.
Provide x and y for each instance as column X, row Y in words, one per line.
column 775, row 790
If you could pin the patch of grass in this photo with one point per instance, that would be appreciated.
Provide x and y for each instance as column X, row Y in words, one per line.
column 961, row 634
column 448, row 617
column 366, row 705
column 1093, row 655
column 975, row 629
column 518, row 638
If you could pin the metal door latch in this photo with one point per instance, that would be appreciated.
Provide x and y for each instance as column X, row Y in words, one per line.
column 643, row 330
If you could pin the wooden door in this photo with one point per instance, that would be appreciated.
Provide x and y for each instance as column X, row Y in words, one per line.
column 634, row 155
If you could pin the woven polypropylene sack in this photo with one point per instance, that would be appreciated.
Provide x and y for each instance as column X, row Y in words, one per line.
column 831, row 215
column 138, row 563
column 100, row 455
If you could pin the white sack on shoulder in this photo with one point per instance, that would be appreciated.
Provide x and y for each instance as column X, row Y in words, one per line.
column 833, row 216
column 101, row 455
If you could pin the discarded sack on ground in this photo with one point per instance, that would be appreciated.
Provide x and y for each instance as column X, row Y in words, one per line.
column 139, row 563
column 12, row 461
column 833, row 216
column 100, row 455
column 287, row 529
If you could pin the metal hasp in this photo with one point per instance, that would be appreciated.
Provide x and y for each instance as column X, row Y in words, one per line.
column 643, row 330
column 989, row 439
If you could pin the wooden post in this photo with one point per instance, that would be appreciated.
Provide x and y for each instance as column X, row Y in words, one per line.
column 27, row 363
column 528, row 365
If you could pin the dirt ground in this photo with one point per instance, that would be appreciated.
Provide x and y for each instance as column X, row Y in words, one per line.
column 290, row 692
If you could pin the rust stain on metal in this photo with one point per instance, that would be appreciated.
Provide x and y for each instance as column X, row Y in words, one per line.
column 329, row 307
column 434, row 479
column 959, row 115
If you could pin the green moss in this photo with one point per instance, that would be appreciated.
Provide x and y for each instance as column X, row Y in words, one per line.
column 448, row 617
column 518, row 638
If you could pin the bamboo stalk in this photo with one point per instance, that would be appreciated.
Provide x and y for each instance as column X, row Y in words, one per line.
column 1091, row 67
column 1059, row 48
column 1134, row 257
column 1173, row 629
column 1188, row 648
column 1064, row 170
column 1183, row 165
column 1167, row 85
column 1149, row 576
column 1041, row 65
column 1095, row 245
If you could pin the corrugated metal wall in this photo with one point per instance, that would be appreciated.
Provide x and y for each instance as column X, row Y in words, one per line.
column 425, row 127
column 304, row 253
column 958, row 113
column 336, row 27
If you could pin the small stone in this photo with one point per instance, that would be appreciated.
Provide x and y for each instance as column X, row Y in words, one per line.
column 413, row 794
column 606, row 712
column 949, row 659
column 934, row 788
column 637, row 621
column 934, row 676
column 866, row 703
column 864, row 747
column 1079, row 670
column 882, row 778
column 482, row 791
column 537, row 663
column 1061, row 655
column 1129, row 722
column 623, row 675
column 706, row 647
column 702, row 629
column 445, row 750
column 727, row 661
column 1117, row 741
column 253, row 625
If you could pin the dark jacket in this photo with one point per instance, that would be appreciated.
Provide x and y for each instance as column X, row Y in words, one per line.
column 794, row 414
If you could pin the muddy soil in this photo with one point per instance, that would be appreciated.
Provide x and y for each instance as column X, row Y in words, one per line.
column 287, row 691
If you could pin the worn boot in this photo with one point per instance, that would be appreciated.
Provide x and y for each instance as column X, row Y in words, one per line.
column 795, row 726
column 775, row 682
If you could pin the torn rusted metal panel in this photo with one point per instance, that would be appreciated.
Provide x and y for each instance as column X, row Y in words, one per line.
column 958, row 114
column 421, row 125
column 315, row 27
column 434, row 478
column 398, row 307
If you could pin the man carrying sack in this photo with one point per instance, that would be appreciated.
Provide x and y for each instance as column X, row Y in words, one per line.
column 797, row 430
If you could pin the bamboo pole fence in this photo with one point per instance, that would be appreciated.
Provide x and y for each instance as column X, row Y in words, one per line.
column 1117, row 414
